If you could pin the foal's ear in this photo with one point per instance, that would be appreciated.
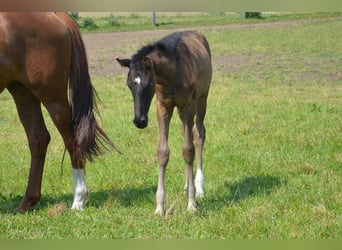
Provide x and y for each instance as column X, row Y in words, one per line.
column 148, row 62
column 124, row 62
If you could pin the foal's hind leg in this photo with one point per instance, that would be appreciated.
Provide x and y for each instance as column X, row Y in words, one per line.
column 199, row 138
column 29, row 110
column 188, row 149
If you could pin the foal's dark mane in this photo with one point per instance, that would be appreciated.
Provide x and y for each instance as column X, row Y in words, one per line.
column 167, row 45
column 142, row 52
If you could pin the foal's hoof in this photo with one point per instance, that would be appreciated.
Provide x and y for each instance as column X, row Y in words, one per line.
column 199, row 193
column 192, row 207
column 159, row 211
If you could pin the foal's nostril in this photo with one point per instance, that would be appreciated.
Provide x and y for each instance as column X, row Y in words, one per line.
column 141, row 122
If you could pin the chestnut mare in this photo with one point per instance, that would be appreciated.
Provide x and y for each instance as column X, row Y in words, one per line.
column 39, row 54
column 178, row 69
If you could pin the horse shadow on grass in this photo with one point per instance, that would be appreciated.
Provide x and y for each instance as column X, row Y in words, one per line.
column 222, row 196
column 126, row 197
column 230, row 194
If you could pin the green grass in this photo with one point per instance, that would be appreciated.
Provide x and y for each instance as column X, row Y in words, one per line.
column 272, row 158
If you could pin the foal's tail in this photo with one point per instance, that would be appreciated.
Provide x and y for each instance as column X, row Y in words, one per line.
column 89, row 138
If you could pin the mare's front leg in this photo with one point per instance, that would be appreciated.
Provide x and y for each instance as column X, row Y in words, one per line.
column 164, row 116
column 30, row 114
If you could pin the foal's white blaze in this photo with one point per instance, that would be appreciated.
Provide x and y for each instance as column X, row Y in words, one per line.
column 80, row 189
column 137, row 80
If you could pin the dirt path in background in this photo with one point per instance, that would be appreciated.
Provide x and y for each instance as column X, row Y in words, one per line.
column 103, row 48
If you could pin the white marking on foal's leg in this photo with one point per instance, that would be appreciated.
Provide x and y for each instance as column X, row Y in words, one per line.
column 191, row 202
column 160, row 194
column 199, row 183
column 192, row 205
column 191, row 189
column 160, row 198
column 80, row 189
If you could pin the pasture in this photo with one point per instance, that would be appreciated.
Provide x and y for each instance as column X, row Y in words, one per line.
column 272, row 158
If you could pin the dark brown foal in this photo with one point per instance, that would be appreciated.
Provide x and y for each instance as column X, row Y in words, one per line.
column 178, row 70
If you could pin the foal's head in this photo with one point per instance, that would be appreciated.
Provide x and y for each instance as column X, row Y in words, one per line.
column 140, row 81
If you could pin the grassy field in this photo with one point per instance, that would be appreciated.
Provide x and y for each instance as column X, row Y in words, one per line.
column 272, row 159
column 132, row 21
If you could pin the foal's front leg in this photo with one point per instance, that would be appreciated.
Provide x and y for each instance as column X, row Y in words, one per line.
column 164, row 115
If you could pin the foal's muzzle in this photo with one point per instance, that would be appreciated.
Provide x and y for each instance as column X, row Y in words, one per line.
column 141, row 122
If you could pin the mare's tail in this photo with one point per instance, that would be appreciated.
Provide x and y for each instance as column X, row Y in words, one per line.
column 89, row 138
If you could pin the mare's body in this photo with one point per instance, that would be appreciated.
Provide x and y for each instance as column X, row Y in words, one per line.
column 42, row 55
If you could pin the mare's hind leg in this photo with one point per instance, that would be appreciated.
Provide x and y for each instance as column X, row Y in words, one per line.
column 29, row 110
column 199, row 138
column 60, row 113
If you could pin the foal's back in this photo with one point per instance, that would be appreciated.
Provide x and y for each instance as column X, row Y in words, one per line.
column 194, row 52
column 189, row 58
